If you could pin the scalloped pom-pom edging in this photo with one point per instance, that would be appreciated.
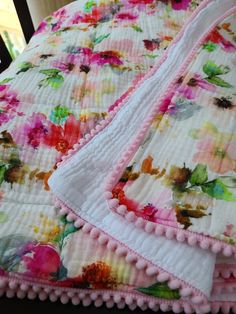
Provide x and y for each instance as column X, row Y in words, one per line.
column 204, row 242
column 20, row 289
column 132, row 257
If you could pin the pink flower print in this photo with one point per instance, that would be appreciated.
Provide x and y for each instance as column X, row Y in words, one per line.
column 42, row 27
column 180, row 4
column 190, row 89
column 3, row 89
column 60, row 14
column 77, row 18
column 139, row 4
column 148, row 212
column 41, row 261
column 126, row 16
column 67, row 65
column 56, row 26
column 8, row 104
column 230, row 231
column 154, row 214
column 141, row 1
column 220, row 157
column 8, row 97
column 33, row 131
column 107, row 57
column 166, row 104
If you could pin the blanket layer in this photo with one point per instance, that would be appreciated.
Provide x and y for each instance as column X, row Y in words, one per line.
column 74, row 174
column 80, row 61
column 183, row 174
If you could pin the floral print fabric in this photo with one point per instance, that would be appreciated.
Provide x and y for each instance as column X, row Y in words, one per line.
column 183, row 174
column 80, row 61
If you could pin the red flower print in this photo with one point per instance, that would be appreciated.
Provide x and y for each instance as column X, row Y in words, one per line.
column 92, row 18
column 99, row 276
column 217, row 38
column 152, row 44
column 119, row 193
column 149, row 212
column 63, row 137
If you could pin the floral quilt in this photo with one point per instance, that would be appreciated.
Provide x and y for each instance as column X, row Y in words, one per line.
column 82, row 62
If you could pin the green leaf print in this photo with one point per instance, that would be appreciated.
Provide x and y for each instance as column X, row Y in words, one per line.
column 59, row 114
column 137, row 28
column 50, row 72
column 52, row 81
column 219, row 82
column 3, row 217
column 3, row 169
column 210, row 46
column 161, row 290
column 89, row 5
column 199, row 175
column 151, row 56
column 6, row 80
column 211, row 69
column 218, row 190
column 25, row 66
column 100, row 38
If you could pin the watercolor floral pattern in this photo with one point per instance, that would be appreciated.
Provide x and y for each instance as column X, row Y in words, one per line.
column 215, row 149
column 31, row 146
column 9, row 103
column 194, row 188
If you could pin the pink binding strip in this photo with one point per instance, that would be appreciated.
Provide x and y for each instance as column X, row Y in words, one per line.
column 171, row 232
column 120, row 102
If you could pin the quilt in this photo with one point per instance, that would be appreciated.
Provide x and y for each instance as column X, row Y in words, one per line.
column 118, row 154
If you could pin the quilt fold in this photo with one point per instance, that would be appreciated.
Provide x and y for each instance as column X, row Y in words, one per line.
column 117, row 158
column 79, row 183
